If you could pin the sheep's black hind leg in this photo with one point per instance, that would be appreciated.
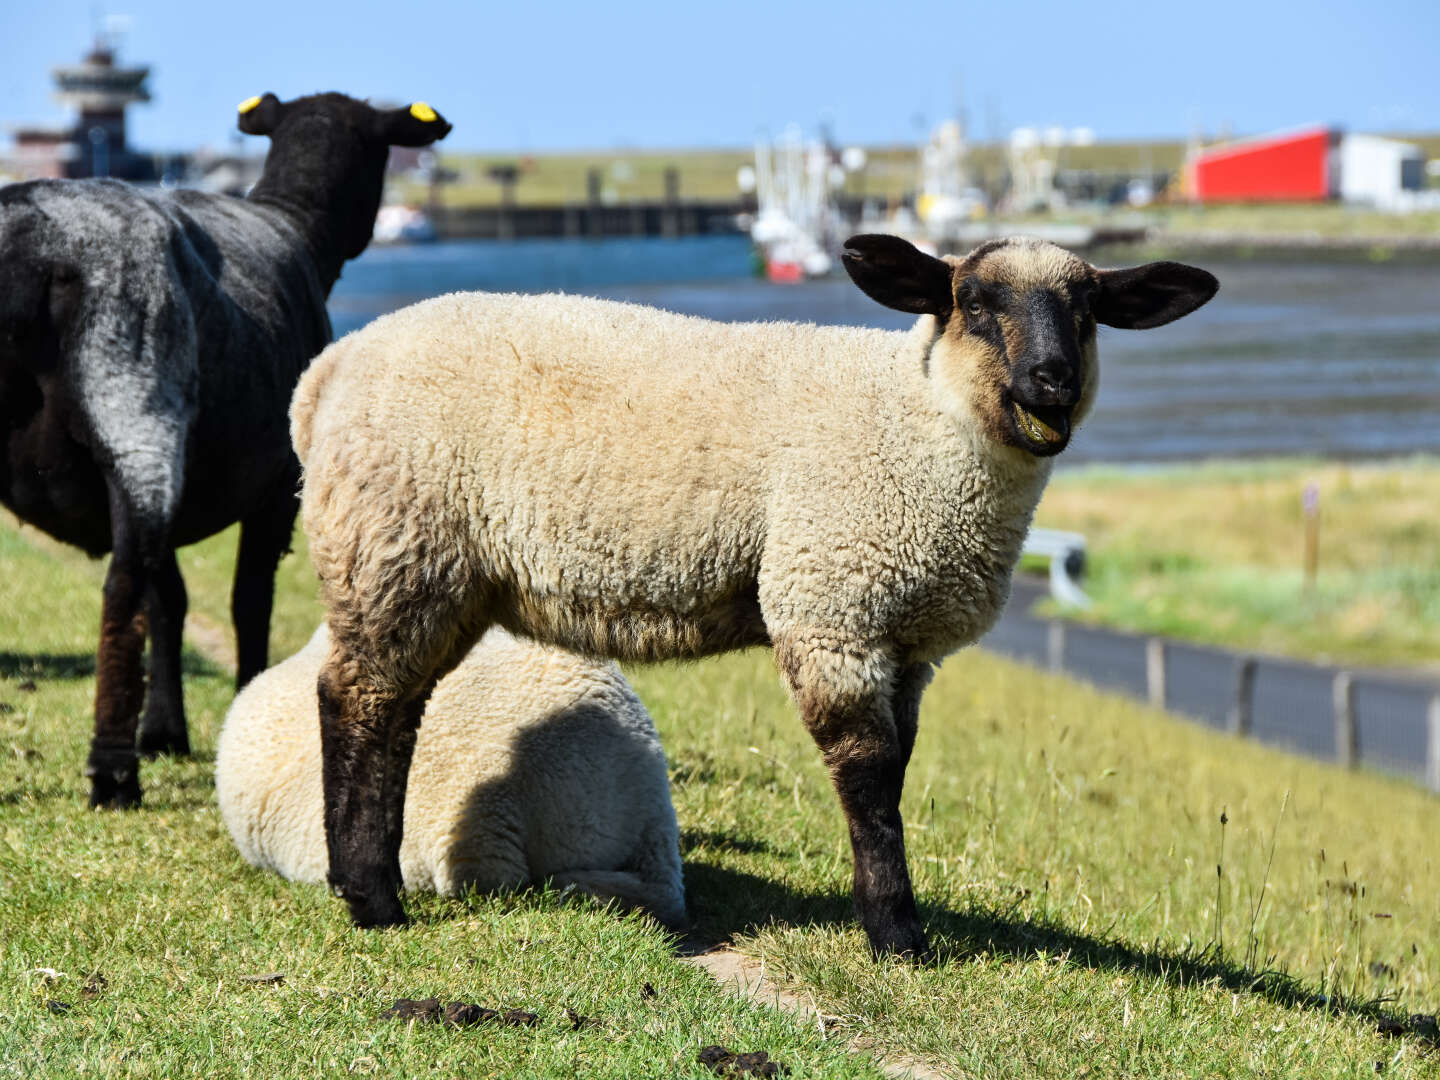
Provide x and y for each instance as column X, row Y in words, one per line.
column 113, row 765
column 162, row 728
column 845, row 697
column 264, row 540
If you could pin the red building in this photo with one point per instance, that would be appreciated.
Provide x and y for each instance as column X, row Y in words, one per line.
column 1297, row 166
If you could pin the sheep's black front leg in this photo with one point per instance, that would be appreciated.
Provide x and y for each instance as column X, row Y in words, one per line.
column 845, row 698
column 264, row 540
column 910, row 686
column 361, row 730
column 162, row 728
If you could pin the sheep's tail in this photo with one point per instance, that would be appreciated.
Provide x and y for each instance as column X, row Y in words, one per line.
column 307, row 400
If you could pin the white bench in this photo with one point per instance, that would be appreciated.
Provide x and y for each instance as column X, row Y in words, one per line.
column 1066, row 552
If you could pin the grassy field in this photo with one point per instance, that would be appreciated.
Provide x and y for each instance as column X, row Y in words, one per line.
column 1215, row 553
column 1064, row 843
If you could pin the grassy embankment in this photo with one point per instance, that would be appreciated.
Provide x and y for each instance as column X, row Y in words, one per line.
column 1064, row 843
column 1215, row 553
column 893, row 172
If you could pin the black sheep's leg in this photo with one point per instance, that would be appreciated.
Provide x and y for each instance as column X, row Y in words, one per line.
column 162, row 728
column 264, row 540
column 845, row 698
column 113, row 766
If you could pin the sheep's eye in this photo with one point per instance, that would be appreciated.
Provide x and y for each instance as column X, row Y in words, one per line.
column 975, row 308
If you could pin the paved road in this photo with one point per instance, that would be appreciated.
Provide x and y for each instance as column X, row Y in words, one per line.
column 1292, row 706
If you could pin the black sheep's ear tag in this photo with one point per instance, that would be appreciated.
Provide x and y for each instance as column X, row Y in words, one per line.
column 259, row 115
column 415, row 125
column 896, row 273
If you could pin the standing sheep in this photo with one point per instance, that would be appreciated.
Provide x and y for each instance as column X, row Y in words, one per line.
column 636, row 484
column 149, row 344
column 533, row 764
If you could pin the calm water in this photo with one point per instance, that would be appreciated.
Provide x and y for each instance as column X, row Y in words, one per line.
column 1294, row 357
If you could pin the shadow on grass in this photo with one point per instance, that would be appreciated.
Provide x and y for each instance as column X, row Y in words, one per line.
column 15, row 665
column 725, row 902
column 718, row 840
column 16, row 796
column 63, row 666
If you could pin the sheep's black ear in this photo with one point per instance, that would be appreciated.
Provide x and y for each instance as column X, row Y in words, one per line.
column 260, row 115
column 899, row 275
column 414, row 125
column 1151, row 295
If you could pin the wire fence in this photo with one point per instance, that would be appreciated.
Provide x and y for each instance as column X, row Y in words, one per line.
column 1351, row 717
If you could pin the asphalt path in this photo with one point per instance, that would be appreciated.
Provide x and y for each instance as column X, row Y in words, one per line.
column 1292, row 704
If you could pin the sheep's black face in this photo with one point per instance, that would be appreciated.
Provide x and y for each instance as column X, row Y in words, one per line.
column 1016, row 323
column 1033, row 348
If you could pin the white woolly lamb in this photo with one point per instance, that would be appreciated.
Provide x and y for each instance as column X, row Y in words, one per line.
column 636, row 484
column 533, row 764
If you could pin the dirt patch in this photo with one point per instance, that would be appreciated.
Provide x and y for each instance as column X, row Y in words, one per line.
column 210, row 640
column 745, row 976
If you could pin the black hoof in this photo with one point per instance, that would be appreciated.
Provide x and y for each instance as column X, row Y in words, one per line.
column 153, row 743
column 114, row 773
column 373, row 911
column 906, row 942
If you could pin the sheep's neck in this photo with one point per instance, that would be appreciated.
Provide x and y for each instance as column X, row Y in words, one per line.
column 331, row 202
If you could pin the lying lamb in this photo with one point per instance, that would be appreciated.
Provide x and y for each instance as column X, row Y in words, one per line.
column 149, row 344
column 636, row 484
column 533, row 764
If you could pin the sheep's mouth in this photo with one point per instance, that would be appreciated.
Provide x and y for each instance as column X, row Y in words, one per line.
column 1043, row 429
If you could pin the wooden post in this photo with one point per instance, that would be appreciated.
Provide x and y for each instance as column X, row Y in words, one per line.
column 670, row 215
column 1155, row 671
column 594, row 183
column 1055, row 645
column 1312, row 534
column 1432, row 756
column 1240, row 710
column 1347, row 746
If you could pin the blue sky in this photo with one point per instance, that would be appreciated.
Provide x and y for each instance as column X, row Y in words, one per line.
column 544, row 76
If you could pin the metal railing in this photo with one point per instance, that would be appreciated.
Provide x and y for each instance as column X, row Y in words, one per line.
column 1352, row 717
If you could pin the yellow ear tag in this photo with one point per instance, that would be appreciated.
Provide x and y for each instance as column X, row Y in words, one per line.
column 248, row 104
column 421, row 111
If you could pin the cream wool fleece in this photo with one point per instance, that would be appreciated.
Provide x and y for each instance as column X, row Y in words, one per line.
column 634, row 483
column 531, row 764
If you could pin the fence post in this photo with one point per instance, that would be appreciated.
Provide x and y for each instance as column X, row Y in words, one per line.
column 1055, row 645
column 1240, row 709
column 1432, row 764
column 1155, row 671
column 1347, row 747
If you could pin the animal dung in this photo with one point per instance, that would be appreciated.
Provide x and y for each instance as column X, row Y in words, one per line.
column 723, row 1061
column 456, row 1014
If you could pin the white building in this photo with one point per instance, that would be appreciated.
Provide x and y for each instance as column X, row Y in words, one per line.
column 1379, row 171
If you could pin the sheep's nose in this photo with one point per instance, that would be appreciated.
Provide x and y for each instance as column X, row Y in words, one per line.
column 1055, row 379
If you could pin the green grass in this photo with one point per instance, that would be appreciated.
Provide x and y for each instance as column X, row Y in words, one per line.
column 1216, row 554
column 1064, row 845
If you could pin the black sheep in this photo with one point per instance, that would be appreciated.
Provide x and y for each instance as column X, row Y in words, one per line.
column 149, row 345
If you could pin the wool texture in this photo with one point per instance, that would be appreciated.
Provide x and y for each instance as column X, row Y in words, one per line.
column 632, row 483
column 532, row 764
